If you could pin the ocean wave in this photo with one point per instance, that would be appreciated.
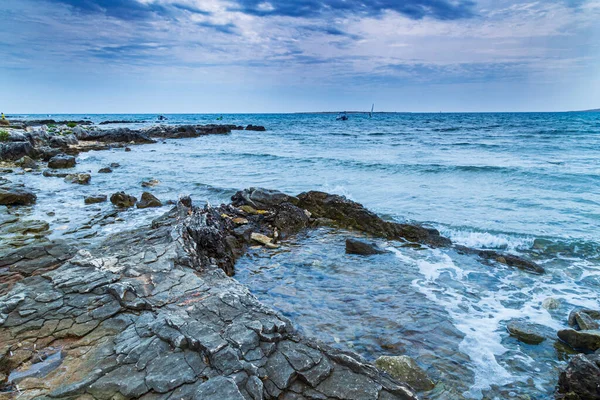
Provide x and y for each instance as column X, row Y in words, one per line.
column 488, row 240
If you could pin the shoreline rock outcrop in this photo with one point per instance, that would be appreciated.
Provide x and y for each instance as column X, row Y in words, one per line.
column 149, row 314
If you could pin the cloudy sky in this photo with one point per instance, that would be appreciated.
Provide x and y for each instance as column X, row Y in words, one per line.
column 298, row 55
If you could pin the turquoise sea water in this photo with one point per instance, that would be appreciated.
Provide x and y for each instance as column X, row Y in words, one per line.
column 524, row 183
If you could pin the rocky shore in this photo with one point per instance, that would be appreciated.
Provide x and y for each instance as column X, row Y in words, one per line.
column 153, row 313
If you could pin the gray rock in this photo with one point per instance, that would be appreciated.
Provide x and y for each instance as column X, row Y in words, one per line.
column 355, row 246
column 148, row 200
column 61, row 161
column 122, row 200
column 345, row 384
column 81, row 179
column 581, row 379
column 105, row 170
column 262, row 198
column 15, row 150
column 584, row 340
column 218, row 388
column 16, row 196
column 405, row 369
column 168, row 372
column 526, row 332
column 26, row 162
column 585, row 322
column 587, row 317
column 96, row 198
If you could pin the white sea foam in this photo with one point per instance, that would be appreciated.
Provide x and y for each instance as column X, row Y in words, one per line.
column 486, row 240
column 480, row 312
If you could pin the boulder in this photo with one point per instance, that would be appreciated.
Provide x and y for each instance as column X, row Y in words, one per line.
column 290, row 219
column 63, row 140
column 81, row 179
column 581, row 379
column 355, row 246
column 526, row 332
column 11, row 151
column 257, row 128
column 584, row 319
column 585, row 322
column 148, row 200
column 26, row 162
column 61, row 161
column 4, row 122
column 50, row 173
column 80, row 133
column 105, row 170
column 16, row 196
column 122, row 200
column 583, row 340
column 405, row 369
column 96, row 198
column 551, row 303
column 262, row 198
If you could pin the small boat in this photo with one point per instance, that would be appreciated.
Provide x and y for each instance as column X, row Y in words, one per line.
column 371, row 113
column 342, row 117
column 162, row 118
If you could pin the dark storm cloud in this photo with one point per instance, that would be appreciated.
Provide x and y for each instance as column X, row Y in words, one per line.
column 415, row 9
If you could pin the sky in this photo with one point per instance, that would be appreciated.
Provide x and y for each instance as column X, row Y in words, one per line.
column 237, row 56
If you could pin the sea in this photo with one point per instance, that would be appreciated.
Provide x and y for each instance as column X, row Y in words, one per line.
column 523, row 183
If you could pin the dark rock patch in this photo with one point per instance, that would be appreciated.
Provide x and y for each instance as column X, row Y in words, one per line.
column 581, row 379
column 123, row 200
column 61, row 161
column 148, row 200
column 257, row 128
column 16, row 196
column 94, row 199
column 81, row 179
column 527, row 332
column 360, row 247
column 583, row 340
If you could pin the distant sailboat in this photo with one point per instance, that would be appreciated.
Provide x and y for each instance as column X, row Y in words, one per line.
column 371, row 113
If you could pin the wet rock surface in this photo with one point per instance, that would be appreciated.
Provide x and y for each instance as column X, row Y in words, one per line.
column 122, row 200
column 15, row 195
column 96, row 198
column 81, row 179
column 150, row 314
column 61, row 161
column 361, row 247
column 527, row 332
column 148, row 200
column 583, row 340
column 581, row 379
column 405, row 369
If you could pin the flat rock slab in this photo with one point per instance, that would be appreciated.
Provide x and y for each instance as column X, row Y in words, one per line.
column 527, row 332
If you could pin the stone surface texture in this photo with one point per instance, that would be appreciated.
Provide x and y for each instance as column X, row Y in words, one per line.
column 151, row 314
